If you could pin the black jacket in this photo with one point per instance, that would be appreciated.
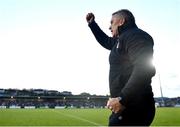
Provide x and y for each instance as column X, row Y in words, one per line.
column 130, row 58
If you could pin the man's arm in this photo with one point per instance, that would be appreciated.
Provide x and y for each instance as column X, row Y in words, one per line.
column 140, row 51
column 106, row 41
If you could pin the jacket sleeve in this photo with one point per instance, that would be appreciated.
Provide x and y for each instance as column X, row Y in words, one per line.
column 106, row 41
column 140, row 51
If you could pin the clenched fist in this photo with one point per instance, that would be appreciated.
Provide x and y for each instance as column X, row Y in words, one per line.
column 90, row 17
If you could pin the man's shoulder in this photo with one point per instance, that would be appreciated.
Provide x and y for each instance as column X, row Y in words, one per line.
column 136, row 36
column 137, row 33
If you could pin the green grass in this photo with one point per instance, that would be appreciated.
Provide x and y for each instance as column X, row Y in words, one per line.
column 53, row 117
column 167, row 117
column 76, row 117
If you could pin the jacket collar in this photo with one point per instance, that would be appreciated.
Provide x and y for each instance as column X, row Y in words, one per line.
column 126, row 27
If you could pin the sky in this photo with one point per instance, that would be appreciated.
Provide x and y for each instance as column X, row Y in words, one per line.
column 47, row 44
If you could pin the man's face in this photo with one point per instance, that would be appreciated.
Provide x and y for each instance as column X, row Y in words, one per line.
column 115, row 22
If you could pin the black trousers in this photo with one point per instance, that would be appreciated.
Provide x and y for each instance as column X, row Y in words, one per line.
column 133, row 116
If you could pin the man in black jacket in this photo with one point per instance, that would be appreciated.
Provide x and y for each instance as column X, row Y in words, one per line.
column 131, row 71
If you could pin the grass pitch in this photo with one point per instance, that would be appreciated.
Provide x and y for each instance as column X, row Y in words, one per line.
column 167, row 117
column 54, row 117
column 76, row 117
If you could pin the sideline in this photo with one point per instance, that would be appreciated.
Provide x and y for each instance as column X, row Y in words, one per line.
column 79, row 118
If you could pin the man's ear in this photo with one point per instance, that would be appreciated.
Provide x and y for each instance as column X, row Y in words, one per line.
column 121, row 21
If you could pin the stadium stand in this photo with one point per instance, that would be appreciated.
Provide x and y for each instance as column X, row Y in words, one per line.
column 40, row 98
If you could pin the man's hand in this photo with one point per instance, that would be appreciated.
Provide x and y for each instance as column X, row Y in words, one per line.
column 114, row 105
column 90, row 17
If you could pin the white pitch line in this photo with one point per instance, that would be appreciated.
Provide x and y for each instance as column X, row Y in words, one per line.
column 79, row 118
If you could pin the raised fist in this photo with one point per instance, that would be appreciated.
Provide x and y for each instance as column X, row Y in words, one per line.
column 90, row 17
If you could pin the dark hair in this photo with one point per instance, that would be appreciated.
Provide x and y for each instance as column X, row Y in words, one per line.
column 126, row 14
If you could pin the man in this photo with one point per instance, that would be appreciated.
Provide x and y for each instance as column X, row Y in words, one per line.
column 131, row 101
